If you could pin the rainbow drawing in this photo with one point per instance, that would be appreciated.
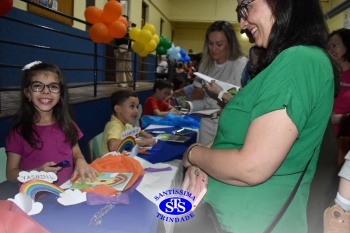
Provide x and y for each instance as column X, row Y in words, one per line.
column 128, row 142
column 32, row 187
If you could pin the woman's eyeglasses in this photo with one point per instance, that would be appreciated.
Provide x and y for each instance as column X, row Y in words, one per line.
column 242, row 10
column 39, row 87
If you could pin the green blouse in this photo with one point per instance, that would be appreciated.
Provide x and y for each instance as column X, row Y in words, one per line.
column 300, row 79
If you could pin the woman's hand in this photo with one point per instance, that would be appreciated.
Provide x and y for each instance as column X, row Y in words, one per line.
column 190, row 179
column 185, row 158
column 213, row 87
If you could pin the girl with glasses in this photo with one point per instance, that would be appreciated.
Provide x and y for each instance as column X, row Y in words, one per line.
column 45, row 133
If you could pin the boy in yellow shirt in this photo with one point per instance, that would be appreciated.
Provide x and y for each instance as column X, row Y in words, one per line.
column 125, row 109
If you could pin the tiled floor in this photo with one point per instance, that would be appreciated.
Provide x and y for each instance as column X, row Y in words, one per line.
column 9, row 100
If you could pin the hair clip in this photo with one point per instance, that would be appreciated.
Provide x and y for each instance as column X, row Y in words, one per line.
column 30, row 65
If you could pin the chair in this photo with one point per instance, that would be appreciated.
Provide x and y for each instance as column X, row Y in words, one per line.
column 95, row 147
column 3, row 160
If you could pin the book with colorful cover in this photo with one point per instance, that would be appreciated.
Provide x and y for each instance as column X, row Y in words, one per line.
column 116, row 180
column 172, row 137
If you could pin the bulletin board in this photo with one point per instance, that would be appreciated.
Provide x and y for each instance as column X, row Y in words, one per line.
column 63, row 6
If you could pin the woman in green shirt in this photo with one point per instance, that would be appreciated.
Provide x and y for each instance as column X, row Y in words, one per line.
column 269, row 131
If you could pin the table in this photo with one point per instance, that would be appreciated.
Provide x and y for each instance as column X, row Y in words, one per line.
column 138, row 216
column 165, row 151
column 121, row 218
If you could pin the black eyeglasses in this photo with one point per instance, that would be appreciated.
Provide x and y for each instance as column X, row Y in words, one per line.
column 242, row 10
column 39, row 87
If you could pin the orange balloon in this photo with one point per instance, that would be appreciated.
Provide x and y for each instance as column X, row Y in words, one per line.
column 111, row 11
column 124, row 21
column 108, row 39
column 117, row 29
column 93, row 15
column 99, row 33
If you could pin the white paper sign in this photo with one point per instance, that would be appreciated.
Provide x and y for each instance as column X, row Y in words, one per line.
column 131, row 132
column 24, row 176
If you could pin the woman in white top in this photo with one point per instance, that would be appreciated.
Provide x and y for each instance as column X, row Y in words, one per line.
column 223, row 60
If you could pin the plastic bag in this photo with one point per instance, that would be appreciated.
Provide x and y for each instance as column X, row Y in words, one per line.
column 170, row 120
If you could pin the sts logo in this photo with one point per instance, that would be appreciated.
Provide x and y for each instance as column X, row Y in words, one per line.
column 175, row 205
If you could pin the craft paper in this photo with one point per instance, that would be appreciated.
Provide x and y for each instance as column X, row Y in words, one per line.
column 32, row 187
column 72, row 197
column 135, row 151
column 27, row 204
column 127, row 143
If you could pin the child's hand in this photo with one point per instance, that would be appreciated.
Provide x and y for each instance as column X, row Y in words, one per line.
column 147, row 135
column 147, row 142
column 151, row 141
column 175, row 111
column 47, row 167
column 83, row 169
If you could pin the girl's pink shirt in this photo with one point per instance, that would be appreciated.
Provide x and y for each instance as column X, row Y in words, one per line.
column 55, row 148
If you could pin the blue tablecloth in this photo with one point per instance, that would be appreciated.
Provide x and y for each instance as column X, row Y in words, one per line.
column 138, row 216
column 165, row 151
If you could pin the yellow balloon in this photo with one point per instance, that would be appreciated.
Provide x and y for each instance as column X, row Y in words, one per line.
column 145, row 36
column 134, row 33
column 149, row 27
column 138, row 47
column 144, row 53
column 151, row 46
column 155, row 37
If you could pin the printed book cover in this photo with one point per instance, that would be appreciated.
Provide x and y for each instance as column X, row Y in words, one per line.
column 172, row 137
column 116, row 180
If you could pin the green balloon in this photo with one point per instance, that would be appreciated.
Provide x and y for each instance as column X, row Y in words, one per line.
column 161, row 50
column 168, row 44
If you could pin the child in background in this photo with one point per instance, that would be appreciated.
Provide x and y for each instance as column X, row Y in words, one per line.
column 44, row 133
column 337, row 217
column 157, row 105
column 125, row 108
